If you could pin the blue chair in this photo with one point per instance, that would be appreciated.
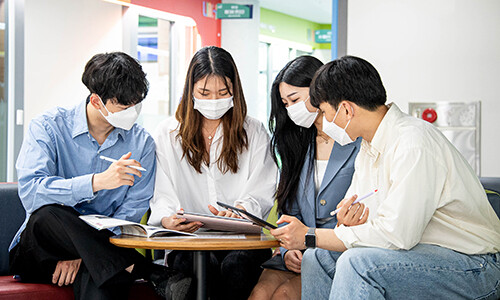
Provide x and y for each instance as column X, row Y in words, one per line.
column 492, row 188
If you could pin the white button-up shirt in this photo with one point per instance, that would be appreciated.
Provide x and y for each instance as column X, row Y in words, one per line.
column 427, row 194
column 178, row 185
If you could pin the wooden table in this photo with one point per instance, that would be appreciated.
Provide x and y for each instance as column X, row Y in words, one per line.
column 201, row 244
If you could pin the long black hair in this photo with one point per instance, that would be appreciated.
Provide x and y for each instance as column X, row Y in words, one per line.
column 290, row 143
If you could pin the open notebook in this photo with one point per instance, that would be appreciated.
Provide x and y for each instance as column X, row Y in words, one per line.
column 100, row 222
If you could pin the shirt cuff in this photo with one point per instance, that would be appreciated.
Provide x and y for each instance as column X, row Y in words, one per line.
column 81, row 187
column 251, row 206
column 283, row 251
column 346, row 235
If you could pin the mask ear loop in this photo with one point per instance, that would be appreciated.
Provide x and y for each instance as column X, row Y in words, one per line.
column 317, row 109
column 103, row 104
column 349, row 120
column 335, row 114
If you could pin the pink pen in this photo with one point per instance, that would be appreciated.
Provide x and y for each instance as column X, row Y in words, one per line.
column 333, row 213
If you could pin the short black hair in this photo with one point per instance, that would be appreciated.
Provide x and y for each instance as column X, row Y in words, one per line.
column 348, row 78
column 116, row 75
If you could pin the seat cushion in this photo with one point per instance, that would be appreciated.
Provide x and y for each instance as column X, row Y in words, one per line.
column 11, row 289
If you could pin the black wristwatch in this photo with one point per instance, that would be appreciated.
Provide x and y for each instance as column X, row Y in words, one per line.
column 310, row 241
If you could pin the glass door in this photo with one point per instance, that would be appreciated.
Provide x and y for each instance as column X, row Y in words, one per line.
column 153, row 52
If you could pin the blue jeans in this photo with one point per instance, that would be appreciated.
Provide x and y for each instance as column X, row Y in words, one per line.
column 424, row 272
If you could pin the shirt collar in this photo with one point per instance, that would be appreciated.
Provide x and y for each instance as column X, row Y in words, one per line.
column 381, row 137
column 80, row 125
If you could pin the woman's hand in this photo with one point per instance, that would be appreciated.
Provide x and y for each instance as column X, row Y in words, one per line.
column 293, row 260
column 351, row 215
column 225, row 213
column 175, row 223
column 290, row 236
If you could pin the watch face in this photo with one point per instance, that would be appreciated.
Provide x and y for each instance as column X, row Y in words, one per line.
column 310, row 241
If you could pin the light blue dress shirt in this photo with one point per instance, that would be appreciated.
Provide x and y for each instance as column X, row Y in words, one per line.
column 59, row 157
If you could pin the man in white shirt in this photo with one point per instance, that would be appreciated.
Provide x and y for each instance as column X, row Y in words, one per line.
column 431, row 233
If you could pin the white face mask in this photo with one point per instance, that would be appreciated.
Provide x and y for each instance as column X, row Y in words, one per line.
column 213, row 109
column 336, row 132
column 123, row 119
column 300, row 115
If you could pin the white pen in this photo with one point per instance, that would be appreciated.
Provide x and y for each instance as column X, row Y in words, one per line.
column 115, row 160
column 333, row 213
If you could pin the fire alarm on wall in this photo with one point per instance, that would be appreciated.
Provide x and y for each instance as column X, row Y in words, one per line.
column 429, row 115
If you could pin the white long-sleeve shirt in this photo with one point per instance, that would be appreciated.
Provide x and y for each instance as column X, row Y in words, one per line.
column 178, row 185
column 427, row 194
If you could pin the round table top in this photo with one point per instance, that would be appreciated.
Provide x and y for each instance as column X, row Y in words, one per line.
column 205, row 241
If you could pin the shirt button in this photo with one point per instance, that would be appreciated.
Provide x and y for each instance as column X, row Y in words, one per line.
column 322, row 202
column 83, row 210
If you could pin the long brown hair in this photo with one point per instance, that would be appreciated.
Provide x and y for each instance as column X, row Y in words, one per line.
column 212, row 61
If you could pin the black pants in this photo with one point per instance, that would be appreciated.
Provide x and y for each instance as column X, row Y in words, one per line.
column 230, row 274
column 55, row 233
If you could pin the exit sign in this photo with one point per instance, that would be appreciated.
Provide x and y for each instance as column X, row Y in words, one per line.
column 234, row 11
column 323, row 36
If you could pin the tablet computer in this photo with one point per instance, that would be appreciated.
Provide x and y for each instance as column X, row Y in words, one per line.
column 221, row 223
column 256, row 220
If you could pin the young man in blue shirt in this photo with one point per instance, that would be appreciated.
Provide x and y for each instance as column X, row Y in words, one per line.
column 61, row 176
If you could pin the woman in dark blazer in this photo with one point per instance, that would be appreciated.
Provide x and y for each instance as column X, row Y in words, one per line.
column 315, row 172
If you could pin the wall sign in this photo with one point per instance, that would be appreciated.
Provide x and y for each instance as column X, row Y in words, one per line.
column 323, row 36
column 234, row 11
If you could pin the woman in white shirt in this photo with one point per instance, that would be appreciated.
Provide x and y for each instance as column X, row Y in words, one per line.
column 212, row 151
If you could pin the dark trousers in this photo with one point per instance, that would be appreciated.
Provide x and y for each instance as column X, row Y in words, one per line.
column 230, row 274
column 55, row 233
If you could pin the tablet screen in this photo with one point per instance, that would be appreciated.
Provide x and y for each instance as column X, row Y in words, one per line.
column 248, row 216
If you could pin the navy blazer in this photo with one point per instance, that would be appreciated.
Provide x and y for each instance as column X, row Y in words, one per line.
column 308, row 206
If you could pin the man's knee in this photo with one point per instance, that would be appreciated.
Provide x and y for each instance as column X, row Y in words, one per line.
column 360, row 260
column 283, row 292
column 44, row 214
column 49, row 217
column 309, row 257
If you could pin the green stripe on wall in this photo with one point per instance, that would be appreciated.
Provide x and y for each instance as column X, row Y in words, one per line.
column 286, row 27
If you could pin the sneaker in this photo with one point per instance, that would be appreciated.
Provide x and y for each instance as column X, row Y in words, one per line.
column 171, row 284
column 179, row 287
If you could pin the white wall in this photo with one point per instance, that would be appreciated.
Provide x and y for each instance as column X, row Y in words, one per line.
column 427, row 50
column 60, row 37
column 240, row 37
